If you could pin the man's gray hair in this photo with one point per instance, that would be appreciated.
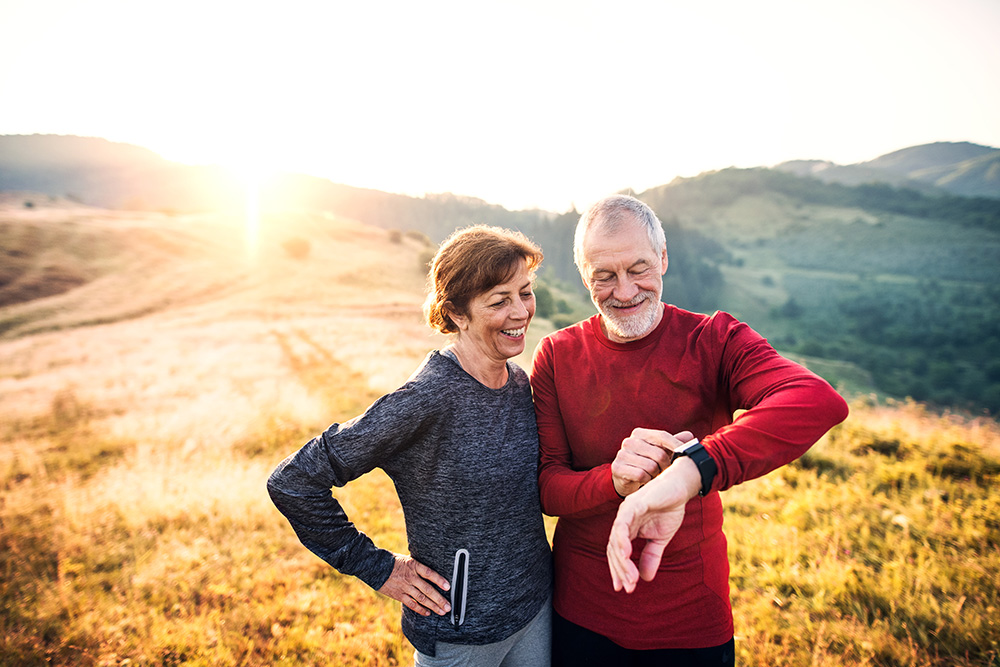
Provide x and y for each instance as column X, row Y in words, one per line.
column 609, row 214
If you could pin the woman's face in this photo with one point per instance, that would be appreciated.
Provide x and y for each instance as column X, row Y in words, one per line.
column 497, row 320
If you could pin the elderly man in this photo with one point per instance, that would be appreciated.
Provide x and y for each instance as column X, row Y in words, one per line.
column 646, row 392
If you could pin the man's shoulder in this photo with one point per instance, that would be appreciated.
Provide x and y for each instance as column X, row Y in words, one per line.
column 720, row 320
column 718, row 330
column 570, row 335
column 568, row 341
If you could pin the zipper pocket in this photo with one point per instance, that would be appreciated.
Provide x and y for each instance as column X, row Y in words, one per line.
column 459, row 587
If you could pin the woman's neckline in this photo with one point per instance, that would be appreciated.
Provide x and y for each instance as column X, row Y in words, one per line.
column 452, row 354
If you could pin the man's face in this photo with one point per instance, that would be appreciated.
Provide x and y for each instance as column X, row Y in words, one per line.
column 624, row 274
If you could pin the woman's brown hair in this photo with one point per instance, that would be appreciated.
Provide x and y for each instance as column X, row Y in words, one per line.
column 469, row 262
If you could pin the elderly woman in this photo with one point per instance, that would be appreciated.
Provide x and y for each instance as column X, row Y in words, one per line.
column 459, row 441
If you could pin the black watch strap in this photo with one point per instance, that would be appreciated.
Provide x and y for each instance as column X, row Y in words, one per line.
column 706, row 464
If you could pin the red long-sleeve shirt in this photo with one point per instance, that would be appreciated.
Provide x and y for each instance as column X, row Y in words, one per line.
column 691, row 373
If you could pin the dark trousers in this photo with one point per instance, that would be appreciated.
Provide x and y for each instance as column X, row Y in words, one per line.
column 573, row 646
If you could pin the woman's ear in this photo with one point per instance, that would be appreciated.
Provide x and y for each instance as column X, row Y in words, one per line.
column 460, row 319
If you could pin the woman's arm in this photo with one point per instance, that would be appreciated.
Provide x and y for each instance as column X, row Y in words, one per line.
column 300, row 488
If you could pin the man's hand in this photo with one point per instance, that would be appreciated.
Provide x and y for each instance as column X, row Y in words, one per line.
column 654, row 512
column 412, row 583
column 642, row 457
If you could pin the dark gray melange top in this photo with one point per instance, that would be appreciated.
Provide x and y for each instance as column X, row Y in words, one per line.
column 464, row 460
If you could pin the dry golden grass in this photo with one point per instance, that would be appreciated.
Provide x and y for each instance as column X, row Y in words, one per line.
column 142, row 414
column 144, row 409
column 880, row 547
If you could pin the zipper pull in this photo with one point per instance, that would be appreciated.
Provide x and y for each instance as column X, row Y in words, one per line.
column 459, row 587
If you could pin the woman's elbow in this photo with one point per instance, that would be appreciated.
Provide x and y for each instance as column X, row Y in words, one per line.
column 276, row 483
column 273, row 485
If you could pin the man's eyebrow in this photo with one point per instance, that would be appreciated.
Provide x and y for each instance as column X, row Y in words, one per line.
column 635, row 264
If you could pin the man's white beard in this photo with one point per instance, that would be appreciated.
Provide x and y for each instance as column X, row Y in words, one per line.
column 630, row 326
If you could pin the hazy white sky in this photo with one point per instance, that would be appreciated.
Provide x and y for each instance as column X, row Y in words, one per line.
column 525, row 103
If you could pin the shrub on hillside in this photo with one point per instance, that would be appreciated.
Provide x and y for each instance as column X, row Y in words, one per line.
column 425, row 258
column 297, row 248
column 419, row 237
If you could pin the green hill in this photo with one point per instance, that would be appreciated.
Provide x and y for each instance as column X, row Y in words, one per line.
column 146, row 400
column 901, row 284
column 957, row 168
column 888, row 289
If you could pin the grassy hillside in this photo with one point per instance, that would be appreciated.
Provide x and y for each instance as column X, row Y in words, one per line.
column 872, row 276
column 831, row 262
column 145, row 403
column 142, row 412
column 960, row 168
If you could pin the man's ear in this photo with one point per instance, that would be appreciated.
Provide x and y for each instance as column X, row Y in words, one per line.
column 583, row 277
column 664, row 261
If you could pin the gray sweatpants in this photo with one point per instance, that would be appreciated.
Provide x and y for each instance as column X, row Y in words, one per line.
column 531, row 646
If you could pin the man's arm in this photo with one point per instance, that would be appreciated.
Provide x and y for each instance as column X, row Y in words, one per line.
column 787, row 408
column 643, row 456
column 654, row 512
column 564, row 490
column 567, row 491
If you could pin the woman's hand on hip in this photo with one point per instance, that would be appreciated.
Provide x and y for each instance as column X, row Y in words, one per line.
column 413, row 584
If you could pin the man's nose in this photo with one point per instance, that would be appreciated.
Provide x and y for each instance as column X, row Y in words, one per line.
column 625, row 289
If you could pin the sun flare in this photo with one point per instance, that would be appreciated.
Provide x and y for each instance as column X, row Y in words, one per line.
column 252, row 176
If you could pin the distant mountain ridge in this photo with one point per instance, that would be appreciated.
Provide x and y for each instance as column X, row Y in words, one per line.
column 109, row 174
column 959, row 168
column 117, row 175
column 873, row 274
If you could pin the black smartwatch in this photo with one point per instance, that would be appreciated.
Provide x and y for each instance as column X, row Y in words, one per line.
column 706, row 464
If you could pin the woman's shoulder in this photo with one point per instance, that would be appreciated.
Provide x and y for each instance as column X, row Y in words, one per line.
column 435, row 369
column 518, row 376
column 421, row 394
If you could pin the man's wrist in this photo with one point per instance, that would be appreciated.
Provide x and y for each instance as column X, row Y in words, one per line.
column 705, row 465
column 614, row 485
column 688, row 475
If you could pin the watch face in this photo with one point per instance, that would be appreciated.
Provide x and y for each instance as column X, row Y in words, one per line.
column 686, row 446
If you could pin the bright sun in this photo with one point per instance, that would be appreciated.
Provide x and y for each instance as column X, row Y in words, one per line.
column 252, row 175
column 250, row 168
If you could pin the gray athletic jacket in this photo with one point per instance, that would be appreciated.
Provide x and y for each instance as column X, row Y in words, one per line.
column 464, row 460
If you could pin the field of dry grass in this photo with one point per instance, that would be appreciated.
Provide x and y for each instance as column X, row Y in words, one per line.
column 143, row 411
column 146, row 401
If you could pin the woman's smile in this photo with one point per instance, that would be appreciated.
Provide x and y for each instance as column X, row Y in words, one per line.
column 493, row 328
